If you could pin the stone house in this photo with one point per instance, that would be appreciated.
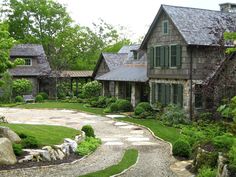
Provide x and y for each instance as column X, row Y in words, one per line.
column 123, row 74
column 184, row 47
column 36, row 67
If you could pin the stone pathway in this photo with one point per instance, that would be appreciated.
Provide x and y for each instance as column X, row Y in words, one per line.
column 154, row 155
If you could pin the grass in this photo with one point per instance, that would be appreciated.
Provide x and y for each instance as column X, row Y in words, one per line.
column 61, row 105
column 169, row 134
column 129, row 159
column 44, row 134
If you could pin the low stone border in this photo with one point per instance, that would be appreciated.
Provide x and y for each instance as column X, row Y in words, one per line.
column 48, row 166
column 125, row 170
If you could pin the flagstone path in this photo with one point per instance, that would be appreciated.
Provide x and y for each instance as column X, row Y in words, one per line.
column 154, row 155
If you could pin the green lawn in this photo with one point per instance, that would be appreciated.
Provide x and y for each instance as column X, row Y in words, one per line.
column 45, row 134
column 129, row 158
column 169, row 134
column 61, row 105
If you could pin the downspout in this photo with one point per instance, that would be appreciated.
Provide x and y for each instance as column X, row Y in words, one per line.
column 191, row 85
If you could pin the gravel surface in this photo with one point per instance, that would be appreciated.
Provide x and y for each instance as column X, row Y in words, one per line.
column 154, row 155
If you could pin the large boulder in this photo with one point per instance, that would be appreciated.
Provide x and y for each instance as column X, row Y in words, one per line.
column 8, row 133
column 72, row 143
column 7, row 156
column 65, row 148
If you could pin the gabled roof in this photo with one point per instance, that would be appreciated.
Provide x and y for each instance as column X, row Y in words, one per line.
column 127, row 72
column 33, row 51
column 197, row 26
column 29, row 50
column 114, row 60
column 76, row 74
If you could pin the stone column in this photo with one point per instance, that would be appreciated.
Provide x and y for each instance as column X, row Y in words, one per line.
column 135, row 94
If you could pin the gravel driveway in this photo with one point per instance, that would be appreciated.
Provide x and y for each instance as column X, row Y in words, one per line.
column 154, row 155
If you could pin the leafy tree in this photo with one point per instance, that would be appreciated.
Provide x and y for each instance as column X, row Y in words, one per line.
column 6, row 87
column 232, row 37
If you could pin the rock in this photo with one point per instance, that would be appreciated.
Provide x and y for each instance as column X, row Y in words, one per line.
column 80, row 138
column 60, row 154
column 225, row 172
column 7, row 156
column 8, row 133
column 72, row 143
column 44, row 154
column 65, row 148
column 52, row 153
column 26, row 159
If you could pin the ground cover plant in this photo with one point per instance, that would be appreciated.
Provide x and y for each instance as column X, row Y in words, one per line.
column 129, row 159
column 89, row 145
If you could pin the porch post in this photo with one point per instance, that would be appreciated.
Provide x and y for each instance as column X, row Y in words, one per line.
column 135, row 93
column 71, row 86
column 117, row 89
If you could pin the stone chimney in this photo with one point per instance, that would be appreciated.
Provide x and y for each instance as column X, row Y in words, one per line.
column 228, row 7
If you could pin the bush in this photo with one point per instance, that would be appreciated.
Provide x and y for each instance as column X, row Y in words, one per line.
column 89, row 145
column 181, row 148
column 223, row 142
column 206, row 172
column 21, row 87
column 138, row 110
column 44, row 95
column 113, row 107
column 17, row 148
column 124, row 105
column 232, row 155
column 39, row 99
column 142, row 107
column 92, row 89
column 88, row 129
column 111, row 100
column 173, row 115
column 19, row 99
column 30, row 142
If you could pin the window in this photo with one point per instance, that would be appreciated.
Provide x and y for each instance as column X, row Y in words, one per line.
column 135, row 53
column 27, row 61
column 165, row 56
column 157, row 57
column 167, row 93
column 165, row 27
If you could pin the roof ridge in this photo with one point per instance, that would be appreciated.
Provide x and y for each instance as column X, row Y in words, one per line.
column 195, row 8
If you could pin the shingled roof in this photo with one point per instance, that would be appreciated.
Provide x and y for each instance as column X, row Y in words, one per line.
column 114, row 60
column 127, row 72
column 35, row 52
column 197, row 26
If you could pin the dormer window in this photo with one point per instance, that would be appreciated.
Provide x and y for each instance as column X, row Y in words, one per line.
column 28, row 62
column 165, row 27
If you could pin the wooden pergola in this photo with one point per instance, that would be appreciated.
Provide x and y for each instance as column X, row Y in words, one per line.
column 76, row 75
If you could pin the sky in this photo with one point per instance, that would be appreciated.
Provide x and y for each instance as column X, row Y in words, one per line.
column 135, row 15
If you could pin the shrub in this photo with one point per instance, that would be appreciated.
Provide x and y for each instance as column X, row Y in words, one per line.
column 123, row 105
column 206, row 172
column 88, row 129
column 205, row 116
column 44, row 95
column 21, row 87
column 22, row 135
column 232, row 155
column 89, row 145
column 91, row 89
column 102, row 103
column 173, row 114
column 6, row 88
column 19, row 99
column 111, row 100
column 30, row 142
column 113, row 107
column 181, row 148
column 17, row 148
column 224, row 142
column 142, row 107
column 39, row 99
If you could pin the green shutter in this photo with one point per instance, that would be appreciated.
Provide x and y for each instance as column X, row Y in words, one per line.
column 162, row 51
column 166, row 56
column 180, row 95
column 178, row 56
column 151, row 57
column 168, row 94
column 163, row 94
column 153, row 94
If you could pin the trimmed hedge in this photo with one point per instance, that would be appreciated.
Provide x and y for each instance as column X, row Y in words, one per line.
column 181, row 148
column 88, row 129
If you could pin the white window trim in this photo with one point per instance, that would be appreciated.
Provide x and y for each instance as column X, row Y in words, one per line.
column 27, row 65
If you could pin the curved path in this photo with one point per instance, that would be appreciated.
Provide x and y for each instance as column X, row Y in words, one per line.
column 154, row 155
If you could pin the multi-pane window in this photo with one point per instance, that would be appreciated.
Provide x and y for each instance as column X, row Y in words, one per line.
column 165, row 27
column 27, row 61
column 165, row 56
column 198, row 96
column 167, row 93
